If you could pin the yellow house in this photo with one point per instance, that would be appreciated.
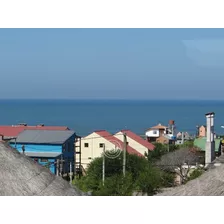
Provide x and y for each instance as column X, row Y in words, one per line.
column 135, row 141
column 93, row 144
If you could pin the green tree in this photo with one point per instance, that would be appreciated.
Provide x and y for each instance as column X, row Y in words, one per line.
column 140, row 176
column 159, row 150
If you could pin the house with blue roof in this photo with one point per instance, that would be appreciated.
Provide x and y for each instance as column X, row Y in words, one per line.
column 47, row 147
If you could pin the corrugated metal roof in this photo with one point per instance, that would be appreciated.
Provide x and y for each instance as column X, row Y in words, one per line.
column 44, row 136
column 15, row 130
column 43, row 154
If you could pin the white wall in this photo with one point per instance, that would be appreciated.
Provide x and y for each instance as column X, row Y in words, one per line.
column 152, row 133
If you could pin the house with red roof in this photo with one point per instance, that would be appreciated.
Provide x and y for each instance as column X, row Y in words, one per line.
column 135, row 141
column 11, row 132
column 93, row 146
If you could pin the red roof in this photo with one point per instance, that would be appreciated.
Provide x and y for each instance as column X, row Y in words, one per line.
column 138, row 139
column 14, row 131
column 109, row 137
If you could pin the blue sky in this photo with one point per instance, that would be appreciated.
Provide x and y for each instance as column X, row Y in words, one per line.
column 112, row 63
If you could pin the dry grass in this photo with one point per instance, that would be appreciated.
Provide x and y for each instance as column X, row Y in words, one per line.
column 20, row 176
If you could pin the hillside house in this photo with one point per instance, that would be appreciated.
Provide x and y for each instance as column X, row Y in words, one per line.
column 93, row 144
column 47, row 147
column 162, row 134
column 153, row 133
column 135, row 141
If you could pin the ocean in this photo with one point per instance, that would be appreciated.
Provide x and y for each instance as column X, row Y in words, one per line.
column 86, row 116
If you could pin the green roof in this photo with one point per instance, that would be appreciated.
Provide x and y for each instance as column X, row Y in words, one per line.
column 201, row 142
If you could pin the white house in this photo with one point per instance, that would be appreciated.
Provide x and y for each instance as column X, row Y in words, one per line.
column 155, row 132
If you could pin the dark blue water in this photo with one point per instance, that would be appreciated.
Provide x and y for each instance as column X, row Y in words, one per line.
column 85, row 116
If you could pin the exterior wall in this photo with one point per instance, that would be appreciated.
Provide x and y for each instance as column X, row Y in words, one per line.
column 135, row 145
column 93, row 150
column 202, row 131
column 69, row 154
column 153, row 133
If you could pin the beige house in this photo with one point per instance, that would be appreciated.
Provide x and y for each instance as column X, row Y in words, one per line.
column 135, row 141
column 93, row 144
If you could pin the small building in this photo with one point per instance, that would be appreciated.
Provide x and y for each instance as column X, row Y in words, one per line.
column 47, row 147
column 202, row 131
column 153, row 133
column 135, row 141
column 180, row 135
column 93, row 144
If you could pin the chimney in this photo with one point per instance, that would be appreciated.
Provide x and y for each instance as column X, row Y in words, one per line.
column 210, row 141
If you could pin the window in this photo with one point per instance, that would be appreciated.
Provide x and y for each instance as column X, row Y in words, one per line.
column 101, row 145
column 44, row 160
column 86, row 145
column 154, row 132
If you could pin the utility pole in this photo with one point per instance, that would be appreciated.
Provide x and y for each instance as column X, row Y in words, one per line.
column 103, row 170
column 124, row 153
column 61, row 167
column 70, row 173
column 57, row 168
column 182, row 139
